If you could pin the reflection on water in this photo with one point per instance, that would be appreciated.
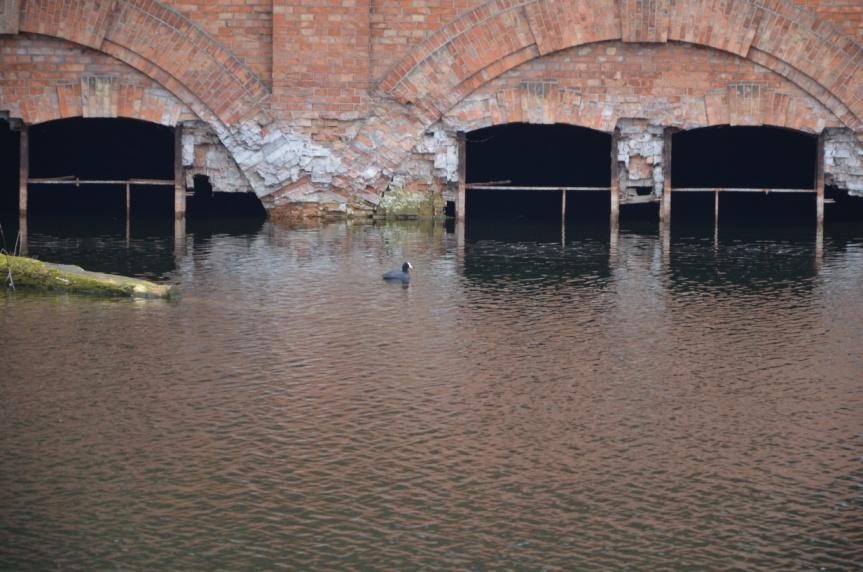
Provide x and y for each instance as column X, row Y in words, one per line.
column 531, row 401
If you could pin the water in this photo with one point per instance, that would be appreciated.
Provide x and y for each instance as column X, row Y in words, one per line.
column 531, row 401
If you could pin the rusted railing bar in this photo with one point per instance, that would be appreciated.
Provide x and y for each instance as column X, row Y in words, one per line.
column 740, row 190
column 525, row 188
column 78, row 182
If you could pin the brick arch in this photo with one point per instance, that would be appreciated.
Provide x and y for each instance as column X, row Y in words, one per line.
column 501, row 34
column 80, row 83
column 545, row 103
column 162, row 44
column 132, row 102
column 598, row 84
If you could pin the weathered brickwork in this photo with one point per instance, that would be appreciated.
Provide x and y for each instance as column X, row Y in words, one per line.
column 321, row 58
column 321, row 106
column 847, row 15
column 245, row 27
column 204, row 154
column 398, row 25
column 9, row 14
column 674, row 85
column 44, row 78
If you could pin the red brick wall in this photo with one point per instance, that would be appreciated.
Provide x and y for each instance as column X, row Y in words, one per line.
column 847, row 15
column 244, row 26
column 687, row 86
column 41, row 80
column 397, row 25
column 321, row 58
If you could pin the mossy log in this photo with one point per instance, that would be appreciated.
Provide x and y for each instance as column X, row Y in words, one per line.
column 30, row 273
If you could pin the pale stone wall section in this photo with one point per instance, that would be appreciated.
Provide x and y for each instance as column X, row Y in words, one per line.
column 843, row 160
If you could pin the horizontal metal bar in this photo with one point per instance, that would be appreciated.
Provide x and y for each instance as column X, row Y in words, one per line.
column 738, row 190
column 516, row 188
column 78, row 182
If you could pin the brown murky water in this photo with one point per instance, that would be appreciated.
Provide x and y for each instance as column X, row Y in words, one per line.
column 527, row 403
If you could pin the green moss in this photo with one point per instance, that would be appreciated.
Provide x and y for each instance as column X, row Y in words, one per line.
column 397, row 202
column 30, row 273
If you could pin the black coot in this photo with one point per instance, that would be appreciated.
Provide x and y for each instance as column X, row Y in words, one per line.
column 404, row 275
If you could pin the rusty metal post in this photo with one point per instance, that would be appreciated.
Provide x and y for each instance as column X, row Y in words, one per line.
column 23, row 244
column 563, row 206
column 819, row 180
column 23, row 170
column 179, row 179
column 615, row 180
column 128, row 213
column 460, row 197
column 459, row 246
column 179, row 238
column 819, row 246
column 716, row 208
column 665, row 208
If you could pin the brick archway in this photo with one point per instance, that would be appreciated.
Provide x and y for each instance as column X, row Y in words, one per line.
column 182, row 59
column 162, row 44
column 501, row 34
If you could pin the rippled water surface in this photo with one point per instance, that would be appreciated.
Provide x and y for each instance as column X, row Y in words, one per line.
column 531, row 401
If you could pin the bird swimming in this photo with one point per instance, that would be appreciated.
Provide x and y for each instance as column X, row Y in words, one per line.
column 404, row 275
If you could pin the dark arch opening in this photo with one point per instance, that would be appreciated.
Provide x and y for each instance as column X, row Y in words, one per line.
column 744, row 157
column 108, row 149
column 206, row 199
column 100, row 149
column 521, row 154
column 9, row 155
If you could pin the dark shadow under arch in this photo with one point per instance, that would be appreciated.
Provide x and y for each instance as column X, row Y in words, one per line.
column 100, row 148
column 521, row 154
column 727, row 156
column 9, row 153
column 754, row 157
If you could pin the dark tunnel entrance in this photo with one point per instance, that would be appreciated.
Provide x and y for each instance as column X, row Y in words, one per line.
column 9, row 142
column 744, row 158
column 528, row 155
column 100, row 149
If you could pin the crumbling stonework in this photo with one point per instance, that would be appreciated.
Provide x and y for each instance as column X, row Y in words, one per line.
column 204, row 154
column 843, row 160
column 431, row 167
column 414, row 201
column 271, row 154
column 639, row 154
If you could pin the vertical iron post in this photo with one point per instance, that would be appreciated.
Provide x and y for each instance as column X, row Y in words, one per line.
column 563, row 206
column 23, row 170
column 460, row 198
column 615, row 179
column 179, row 179
column 665, row 208
column 819, row 180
